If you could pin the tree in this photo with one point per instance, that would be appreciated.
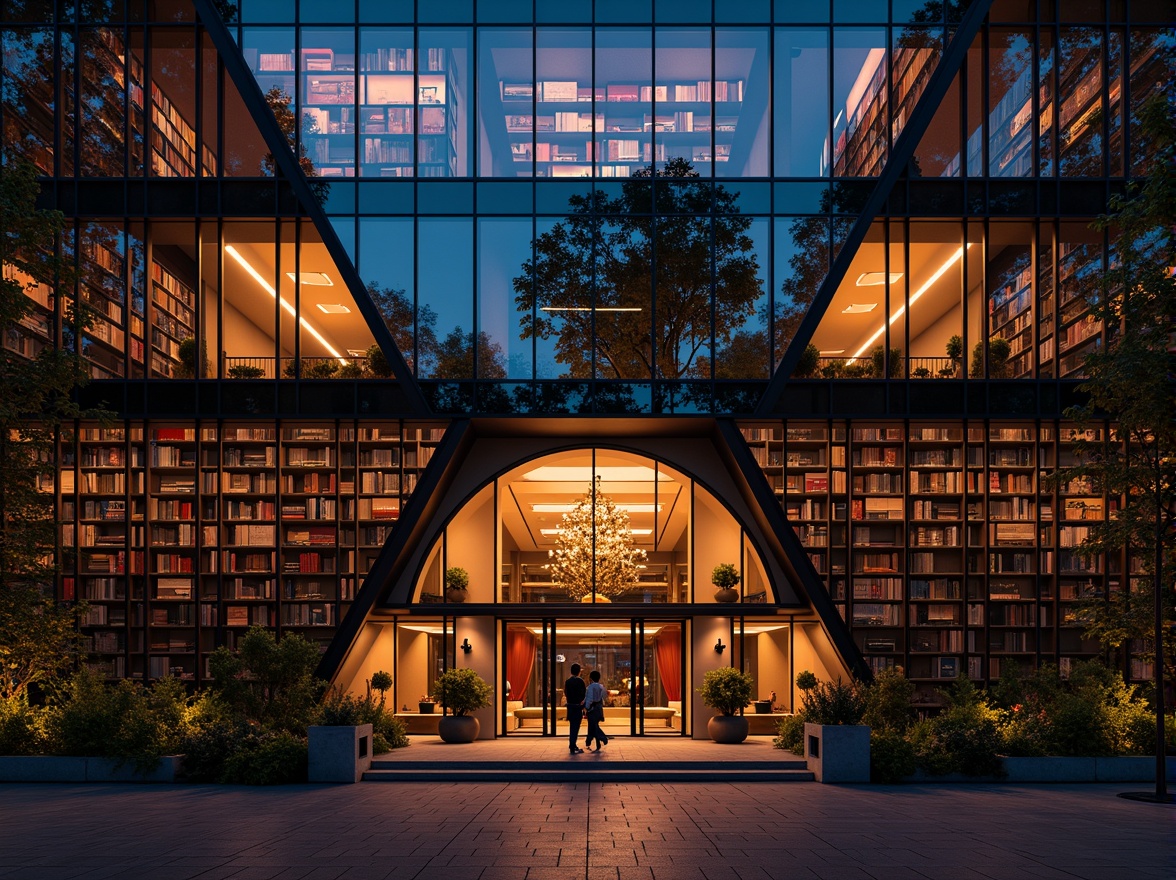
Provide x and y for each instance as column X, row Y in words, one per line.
column 408, row 330
column 1131, row 381
column 38, row 637
column 627, row 285
column 269, row 681
column 455, row 357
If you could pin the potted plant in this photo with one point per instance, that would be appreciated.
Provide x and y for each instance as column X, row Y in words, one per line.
column 725, row 577
column 955, row 353
column 999, row 351
column 187, row 357
column 808, row 364
column 461, row 691
column 728, row 690
column 425, row 705
column 457, row 584
column 246, row 371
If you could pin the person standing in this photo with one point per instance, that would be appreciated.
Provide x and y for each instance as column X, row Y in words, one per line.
column 594, row 704
column 574, row 690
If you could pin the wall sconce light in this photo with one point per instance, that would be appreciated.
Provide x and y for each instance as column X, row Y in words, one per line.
column 466, row 646
column 719, row 646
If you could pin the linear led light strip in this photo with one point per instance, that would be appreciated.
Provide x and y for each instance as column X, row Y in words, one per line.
column 589, row 309
column 268, row 288
column 951, row 261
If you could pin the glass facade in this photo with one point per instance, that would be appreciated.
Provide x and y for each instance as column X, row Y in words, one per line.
column 530, row 210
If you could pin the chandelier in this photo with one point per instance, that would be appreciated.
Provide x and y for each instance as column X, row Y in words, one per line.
column 595, row 552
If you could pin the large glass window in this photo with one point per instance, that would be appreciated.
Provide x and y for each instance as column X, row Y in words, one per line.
column 801, row 102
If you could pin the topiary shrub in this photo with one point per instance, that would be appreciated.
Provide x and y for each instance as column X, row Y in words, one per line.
column 726, row 689
column 807, row 365
column 246, row 371
column 888, row 702
column 725, row 576
column 462, row 691
column 892, row 757
column 321, row 369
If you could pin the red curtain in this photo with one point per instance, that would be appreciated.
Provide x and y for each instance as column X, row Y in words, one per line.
column 520, row 661
column 667, row 648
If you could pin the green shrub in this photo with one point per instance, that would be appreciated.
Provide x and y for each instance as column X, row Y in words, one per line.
column 725, row 576
column 790, row 734
column 267, row 759
column 892, row 757
column 320, row 369
column 22, row 728
column 888, row 702
column 121, row 722
column 269, row 681
column 964, row 738
column 810, row 360
column 377, row 365
column 833, row 702
column 246, row 371
column 806, row 680
column 726, row 689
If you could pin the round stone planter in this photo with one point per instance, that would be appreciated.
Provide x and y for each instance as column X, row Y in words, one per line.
column 727, row 728
column 456, row 596
column 458, row 728
column 726, row 595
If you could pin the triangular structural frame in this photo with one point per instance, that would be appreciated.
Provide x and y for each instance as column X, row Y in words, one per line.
column 904, row 150
column 384, row 585
column 287, row 163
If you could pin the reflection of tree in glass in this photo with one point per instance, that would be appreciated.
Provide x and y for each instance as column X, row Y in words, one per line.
column 606, row 254
column 279, row 102
column 425, row 354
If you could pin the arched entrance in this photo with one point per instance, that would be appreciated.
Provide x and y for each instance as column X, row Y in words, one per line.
column 597, row 553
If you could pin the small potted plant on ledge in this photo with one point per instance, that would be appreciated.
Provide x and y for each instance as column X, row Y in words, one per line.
column 461, row 691
column 457, row 584
column 728, row 690
column 725, row 577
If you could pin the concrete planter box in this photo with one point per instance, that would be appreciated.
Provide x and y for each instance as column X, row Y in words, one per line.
column 1059, row 770
column 838, row 752
column 50, row 768
column 338, row 753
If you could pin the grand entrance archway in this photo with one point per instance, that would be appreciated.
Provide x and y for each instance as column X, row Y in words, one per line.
column 642, row 665
column 597, row 552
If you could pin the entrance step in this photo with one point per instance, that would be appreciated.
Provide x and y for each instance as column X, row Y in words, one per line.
column 587, row 769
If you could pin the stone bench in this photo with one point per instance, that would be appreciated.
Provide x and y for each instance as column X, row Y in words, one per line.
column 532, row 716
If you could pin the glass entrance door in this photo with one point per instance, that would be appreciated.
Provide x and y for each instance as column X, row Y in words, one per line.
column 641, row 665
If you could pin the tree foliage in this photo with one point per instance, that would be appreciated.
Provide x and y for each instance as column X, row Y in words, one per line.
column 1130, row 381
column 38, row 637
column 269, row 681
column 628, row 285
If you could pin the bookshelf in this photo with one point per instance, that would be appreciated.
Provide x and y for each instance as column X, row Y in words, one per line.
column 173, row 319
column 947, row 551
column 1010, row 307
column 568, row 128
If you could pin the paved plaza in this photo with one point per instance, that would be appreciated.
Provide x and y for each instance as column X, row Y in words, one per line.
column 588, row 830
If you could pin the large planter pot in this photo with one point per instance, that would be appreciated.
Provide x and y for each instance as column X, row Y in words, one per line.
column 458, row 728
column 338, row 753
column 426, row 707
column 838, row 752
column 456, row 596
column 726, row 595
column 727, row 728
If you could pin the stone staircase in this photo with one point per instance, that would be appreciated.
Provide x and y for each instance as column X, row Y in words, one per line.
column 587, row 768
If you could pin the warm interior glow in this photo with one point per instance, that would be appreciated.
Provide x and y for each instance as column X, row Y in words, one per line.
column 631, row 531
column 877, row 279
column 628, row 507
column 587, row 474
column 312, row 279
column 594, row 631
column 859, row 308
column 948, row 263
column 268, row 288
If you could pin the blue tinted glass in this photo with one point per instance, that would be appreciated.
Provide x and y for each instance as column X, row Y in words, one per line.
column 743, row 11
column 445, row 198
column 692, row 11
column 386, row 198
column 505, row 198
column 872, row 11
column 636, row 11
column 267, row 10
column 385, row 11
column 790, row 10
column 801, row 198
column 457, row 11
column 313, row 11
column 504, row 11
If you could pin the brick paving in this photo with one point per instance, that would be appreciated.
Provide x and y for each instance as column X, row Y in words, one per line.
column 651, row 831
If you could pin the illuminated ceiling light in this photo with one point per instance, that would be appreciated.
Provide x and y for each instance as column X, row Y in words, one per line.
column 859, row 308
column 877, row 279
column 589, row 309
column 757, row 628
column 831, row 352
column 597, row 631
column 566, row 508
column 312, row 279
column 289, row 309
column 586, row 474
column 333, row 309
column 430, row 628
column 948, row 263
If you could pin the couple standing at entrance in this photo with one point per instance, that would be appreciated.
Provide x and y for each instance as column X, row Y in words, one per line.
column 584, row 700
